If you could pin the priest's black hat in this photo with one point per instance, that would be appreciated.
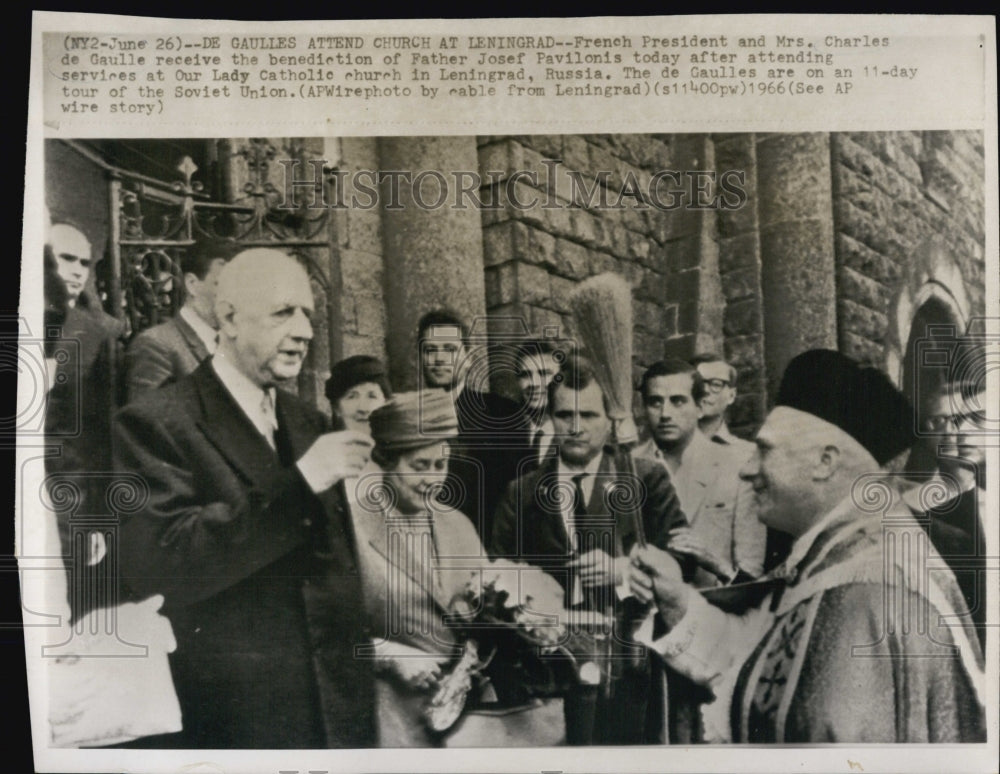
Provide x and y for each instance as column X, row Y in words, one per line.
column 859, row 400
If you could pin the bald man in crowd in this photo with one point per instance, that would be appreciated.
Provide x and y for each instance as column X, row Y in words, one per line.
column 825, row 650
column 84, row 397
column 259, row 577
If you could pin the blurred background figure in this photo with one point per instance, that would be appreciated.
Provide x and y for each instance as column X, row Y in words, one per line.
column 357, row 386
column 719, row 378
column 537, row 365
column 172, row 349
column 83, row 398
column 491, row 436
column 954, row 427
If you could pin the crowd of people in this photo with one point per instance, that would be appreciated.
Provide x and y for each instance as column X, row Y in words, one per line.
column 308, row 563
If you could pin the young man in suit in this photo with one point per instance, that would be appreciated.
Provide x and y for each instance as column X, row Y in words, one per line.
column 537, row 365
column 174, row 348
column 491, row 432
column 259, row 578
column 724, row 535
column 562, row 517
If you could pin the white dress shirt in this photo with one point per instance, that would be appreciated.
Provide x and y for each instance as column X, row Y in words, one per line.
column 256, row 403
column 565, row 474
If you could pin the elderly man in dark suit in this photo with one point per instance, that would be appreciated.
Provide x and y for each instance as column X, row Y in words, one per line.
column 564, row 517
column 173, row 349
column 260, row 582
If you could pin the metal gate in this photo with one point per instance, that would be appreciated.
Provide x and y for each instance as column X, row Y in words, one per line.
column 152, row 222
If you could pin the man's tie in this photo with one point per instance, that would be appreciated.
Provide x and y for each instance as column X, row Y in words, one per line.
column 269, row 416
column 576, row 596
column 579, row 501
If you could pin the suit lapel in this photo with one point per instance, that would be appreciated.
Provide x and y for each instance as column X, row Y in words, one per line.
column 296, row 430
column 228, row 428
column 544, row 520
column 702, row 469
column 601, row 501
column 191, row 338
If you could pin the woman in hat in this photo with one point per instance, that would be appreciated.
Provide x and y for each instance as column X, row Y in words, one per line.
column 416, row 555
column 357, row 386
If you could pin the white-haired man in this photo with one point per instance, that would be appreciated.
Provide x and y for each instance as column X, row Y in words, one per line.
column 259, row 580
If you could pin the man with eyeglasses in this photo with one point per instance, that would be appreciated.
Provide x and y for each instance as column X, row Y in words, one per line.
column 955, row 426
column 719, row 378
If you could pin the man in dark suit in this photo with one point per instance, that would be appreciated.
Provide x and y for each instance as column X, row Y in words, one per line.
column 259, row 578
column 81, row 403
column 492, row 434
column 568, row 517
column 173, row 349
column 537, row 365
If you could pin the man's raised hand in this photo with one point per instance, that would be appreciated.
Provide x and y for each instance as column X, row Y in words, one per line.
column 333, row 457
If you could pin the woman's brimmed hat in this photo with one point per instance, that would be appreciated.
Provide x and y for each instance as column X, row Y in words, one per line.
column 412, row 420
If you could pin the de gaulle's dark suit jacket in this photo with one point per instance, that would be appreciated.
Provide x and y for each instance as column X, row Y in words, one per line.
column 245, row 556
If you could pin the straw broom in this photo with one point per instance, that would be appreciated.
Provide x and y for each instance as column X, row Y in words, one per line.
column 602, row 309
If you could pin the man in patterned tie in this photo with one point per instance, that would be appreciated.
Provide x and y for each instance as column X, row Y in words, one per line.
column 825, row 650
column 258, row 573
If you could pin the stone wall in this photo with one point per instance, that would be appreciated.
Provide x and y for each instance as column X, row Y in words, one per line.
column 535, row 255
column 359, row 255
column 895, row 192
column 829, row 249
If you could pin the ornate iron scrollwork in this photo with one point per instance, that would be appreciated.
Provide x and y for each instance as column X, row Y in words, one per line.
column 159, row 220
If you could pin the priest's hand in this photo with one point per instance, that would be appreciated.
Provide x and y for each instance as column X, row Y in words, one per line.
column 655, row 576
column 333, row 457
column 682, row 540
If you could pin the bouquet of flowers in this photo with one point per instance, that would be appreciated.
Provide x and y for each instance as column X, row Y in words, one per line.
column 535, row 641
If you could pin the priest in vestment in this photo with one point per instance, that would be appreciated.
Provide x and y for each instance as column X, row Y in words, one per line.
column 861, row 635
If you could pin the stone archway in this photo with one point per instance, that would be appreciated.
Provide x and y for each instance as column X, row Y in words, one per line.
column 930, row 302
column 928, row 313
